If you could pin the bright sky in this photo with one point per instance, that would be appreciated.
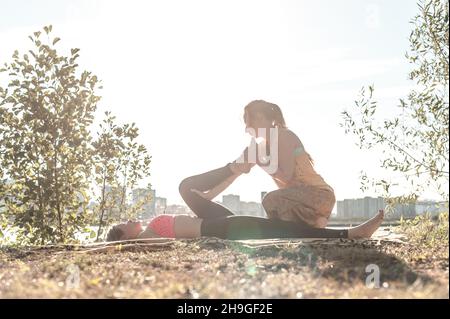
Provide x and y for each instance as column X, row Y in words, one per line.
column 184, row 70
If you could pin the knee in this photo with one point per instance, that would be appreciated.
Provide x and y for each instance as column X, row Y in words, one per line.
column 265, row 201
column 268, row 203
column 185, row 186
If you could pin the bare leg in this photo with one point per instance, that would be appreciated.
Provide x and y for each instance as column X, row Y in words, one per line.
column 366, row 229
column 201, row 206
column 250, row 227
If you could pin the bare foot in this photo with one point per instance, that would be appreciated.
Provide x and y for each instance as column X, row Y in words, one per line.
column 321, row 222
column 365, row 230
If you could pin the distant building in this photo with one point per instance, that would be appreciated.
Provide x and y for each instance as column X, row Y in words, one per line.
column 262, row 195
column 149, row 207
column 238, row 207
column 403, row 210
column 367, row 207
column 232, row 202
column 359, row 208
column 250, row 209
column 160, row 205
column 178, row 210
column 262, row 212
column 431, row 207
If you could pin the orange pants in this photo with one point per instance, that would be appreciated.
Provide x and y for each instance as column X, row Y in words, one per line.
column 304, row 202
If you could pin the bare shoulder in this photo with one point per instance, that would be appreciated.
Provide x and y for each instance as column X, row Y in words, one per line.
column 286, row 135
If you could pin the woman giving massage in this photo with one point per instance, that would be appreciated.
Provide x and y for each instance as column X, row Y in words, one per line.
column 299, row 208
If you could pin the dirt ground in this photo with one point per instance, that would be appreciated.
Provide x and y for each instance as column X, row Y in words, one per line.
column 213, row 268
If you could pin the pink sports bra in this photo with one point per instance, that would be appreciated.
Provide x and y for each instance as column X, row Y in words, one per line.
column 163, row 225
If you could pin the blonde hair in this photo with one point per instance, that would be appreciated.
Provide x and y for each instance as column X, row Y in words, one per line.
column 270, row 110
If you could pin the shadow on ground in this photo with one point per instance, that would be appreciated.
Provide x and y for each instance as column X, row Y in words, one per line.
column 214, row 268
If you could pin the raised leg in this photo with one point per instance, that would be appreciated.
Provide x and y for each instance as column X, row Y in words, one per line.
column 202, row 207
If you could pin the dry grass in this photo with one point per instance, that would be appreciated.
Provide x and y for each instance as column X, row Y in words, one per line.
column 211, row 268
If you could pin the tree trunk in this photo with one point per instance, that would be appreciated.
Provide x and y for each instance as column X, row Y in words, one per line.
column 102, row 205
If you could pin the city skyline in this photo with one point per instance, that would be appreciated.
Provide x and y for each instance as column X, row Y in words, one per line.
column 345, row 210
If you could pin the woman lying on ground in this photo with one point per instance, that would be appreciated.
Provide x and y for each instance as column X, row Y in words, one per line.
column 300, row 207
column 234, row 227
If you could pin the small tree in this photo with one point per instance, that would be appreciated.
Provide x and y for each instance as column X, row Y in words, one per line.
column 106, row 152
column 134, row 165
column 415, row 142
column 120, row 163
column 45, row 114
